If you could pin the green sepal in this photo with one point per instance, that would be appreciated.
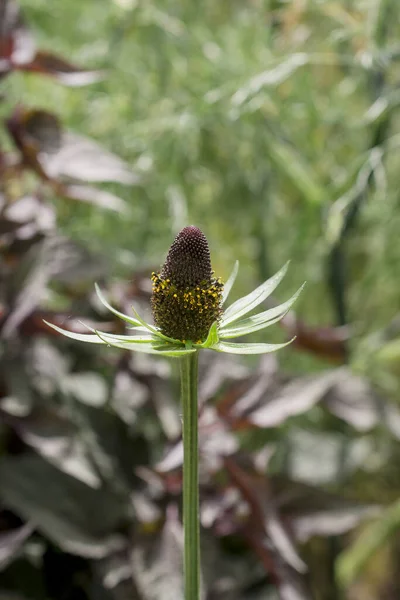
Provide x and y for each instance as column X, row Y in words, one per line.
column 259, row 321
column 232, row 348
column 244, row 305
column 229, row 283
column 212, row 337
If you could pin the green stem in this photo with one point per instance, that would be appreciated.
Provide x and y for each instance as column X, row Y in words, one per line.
column 190, row 476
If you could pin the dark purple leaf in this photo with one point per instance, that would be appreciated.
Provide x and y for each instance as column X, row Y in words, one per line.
column 294, row 398
column 45, row 259
column 255, row 393
column 65, row 72
column 215, row 442
column 216, row 371
column 41, row 129
column 56, row 440
column 29, row 210
column 79, row 519
column 57, row 155
column 325, row 342
column 114, row 570
column 28, row 284
column 157, row 561
column 83, row 159
column 289, row 583
column 77, row 267
column 256, row 490
column 94, row 196
column 353, row 399
column 17, row 46
column 313, row 511
column 8, row 226
column 280, row 538
column 164, row 404
column 36, row 133
column 11, row 541
column 127, row 396
column 18, row 51
column 54, row 258
column 172, row 460
column 331, row 522
column 114, row 449
column 228, row 575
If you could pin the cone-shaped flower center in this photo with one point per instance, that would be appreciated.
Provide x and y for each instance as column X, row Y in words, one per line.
column 186, row 297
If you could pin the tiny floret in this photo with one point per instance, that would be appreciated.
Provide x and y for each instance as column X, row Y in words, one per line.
column 179, row 310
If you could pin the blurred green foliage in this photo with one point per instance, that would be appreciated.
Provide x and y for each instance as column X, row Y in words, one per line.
column 254, row 120
column 273, row 126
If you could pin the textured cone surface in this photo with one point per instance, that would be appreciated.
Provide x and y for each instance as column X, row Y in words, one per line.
column 186, row 297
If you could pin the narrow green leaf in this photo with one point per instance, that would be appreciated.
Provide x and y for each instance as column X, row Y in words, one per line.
column 116, row 312
column 228, row 334
column 80, row 337
column 231, row 280
column 247, row 303
column 140, row 339
column 155, row 348
column 93, row 337
column 260, row 321
column 212, row 337
column 232, row 348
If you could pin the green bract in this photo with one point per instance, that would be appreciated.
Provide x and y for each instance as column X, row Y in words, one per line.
column 234, row 323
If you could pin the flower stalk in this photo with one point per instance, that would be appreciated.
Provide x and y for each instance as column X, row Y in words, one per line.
column 189, row 369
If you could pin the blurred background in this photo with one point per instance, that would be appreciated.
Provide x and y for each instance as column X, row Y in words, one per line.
column 272, row 125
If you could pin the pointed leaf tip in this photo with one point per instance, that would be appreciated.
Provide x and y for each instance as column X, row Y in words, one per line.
column 113, row 310
column 80, row 337
column 229, row 283
column 232, row 348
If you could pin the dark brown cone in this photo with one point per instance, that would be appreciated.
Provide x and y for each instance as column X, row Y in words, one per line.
column 188, row 262
column 186, row 297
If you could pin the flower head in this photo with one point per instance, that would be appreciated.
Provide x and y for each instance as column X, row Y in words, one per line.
column 187, row 305
column 186, row 297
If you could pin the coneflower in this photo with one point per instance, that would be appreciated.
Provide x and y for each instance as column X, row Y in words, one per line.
column 187, row 306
